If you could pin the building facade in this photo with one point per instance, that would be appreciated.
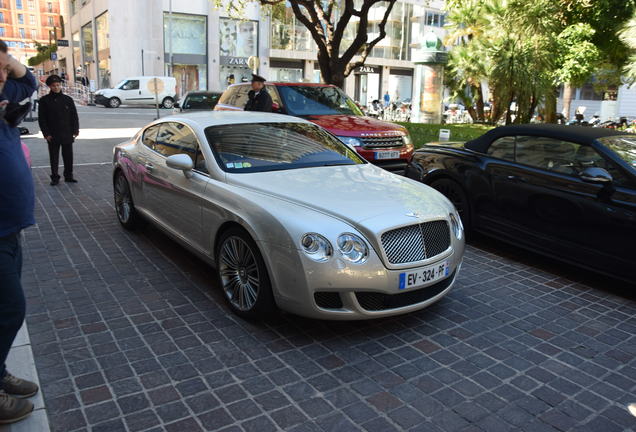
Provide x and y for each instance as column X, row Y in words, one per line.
column 205, row 48
column 24, row 22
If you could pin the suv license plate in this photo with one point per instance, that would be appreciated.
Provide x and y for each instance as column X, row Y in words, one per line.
column 387, row 155
column 423, row 276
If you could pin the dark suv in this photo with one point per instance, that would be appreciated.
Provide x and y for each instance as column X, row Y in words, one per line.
column 385, row 144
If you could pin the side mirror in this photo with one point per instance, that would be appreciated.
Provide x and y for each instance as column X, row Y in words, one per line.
column 596, row 175
column 181, row 162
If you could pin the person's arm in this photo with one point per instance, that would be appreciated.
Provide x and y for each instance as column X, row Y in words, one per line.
column 21, row 83
column 42, row 120
column 74, row 118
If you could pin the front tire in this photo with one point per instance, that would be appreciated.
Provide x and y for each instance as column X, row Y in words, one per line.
column 243, row 276
column 124, row 206
column 456, row 195
column 114, row 102
column 168, row 103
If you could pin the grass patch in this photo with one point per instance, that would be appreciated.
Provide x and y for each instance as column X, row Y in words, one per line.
column 424, row 133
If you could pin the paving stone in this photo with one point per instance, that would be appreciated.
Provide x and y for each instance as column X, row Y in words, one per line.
column 129, row 333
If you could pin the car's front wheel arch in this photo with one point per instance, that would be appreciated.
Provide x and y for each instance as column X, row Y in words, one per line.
column 448, row 181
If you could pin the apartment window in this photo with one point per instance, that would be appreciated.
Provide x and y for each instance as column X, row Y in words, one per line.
column 34, row 34
column 18, row 4
column 31, row 4
column 20, row 19
column 50, row 21
column 32, row 20
column 1, row 17
column 22, row 33
column 49, row 7
column 434, row 19
column 1, row 31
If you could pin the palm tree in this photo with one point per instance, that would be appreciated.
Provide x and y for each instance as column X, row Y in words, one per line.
column 628, row 36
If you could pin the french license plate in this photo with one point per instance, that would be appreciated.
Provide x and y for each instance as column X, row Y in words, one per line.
column 423, row 276
column 387, row 155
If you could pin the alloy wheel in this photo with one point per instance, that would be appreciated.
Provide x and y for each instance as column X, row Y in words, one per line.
column 123, row 200
column 239, row 273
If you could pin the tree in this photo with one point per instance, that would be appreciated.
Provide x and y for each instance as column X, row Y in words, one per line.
column 327, row 22
column 628, row 36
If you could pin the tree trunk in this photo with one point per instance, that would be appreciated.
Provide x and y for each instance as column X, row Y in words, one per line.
column 568, row 95
column 480, row 104
column 550, row 106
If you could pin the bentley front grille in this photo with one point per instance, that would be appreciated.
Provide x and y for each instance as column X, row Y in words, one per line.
column 416, row 242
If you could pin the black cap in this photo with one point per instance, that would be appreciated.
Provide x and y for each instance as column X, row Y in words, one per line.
column 258, row 78
column 53, row 79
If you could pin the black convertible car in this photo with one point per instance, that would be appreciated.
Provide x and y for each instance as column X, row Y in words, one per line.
column 564, row 191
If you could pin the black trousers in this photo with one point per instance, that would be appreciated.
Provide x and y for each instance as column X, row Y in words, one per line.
column 67, row 156
column 12, row 302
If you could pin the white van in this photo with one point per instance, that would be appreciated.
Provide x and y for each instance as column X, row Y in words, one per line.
column 139, row 91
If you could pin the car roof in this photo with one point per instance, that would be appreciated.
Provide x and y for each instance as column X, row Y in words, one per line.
column 578, row 134
column 147, row 77
column 200, row 92
column 218, row 118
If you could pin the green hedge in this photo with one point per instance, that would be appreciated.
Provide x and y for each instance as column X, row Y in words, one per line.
column 423, row 133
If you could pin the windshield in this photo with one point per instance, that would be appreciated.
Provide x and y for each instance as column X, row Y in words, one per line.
column 248, row 148
column 623, row 146
column 201, row 101
column 310, row 100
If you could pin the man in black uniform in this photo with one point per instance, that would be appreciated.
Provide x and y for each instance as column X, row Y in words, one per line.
column 259, row 99
column 60, row 126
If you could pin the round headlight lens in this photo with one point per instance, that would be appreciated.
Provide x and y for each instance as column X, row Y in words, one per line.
column 456, row 224
column 353, row 248
column 316, row 247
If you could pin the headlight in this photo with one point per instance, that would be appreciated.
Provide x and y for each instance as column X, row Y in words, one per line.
column 457, row 226
column 351, row 142
column 316, row 247
column 353, row 248
column 408, row 142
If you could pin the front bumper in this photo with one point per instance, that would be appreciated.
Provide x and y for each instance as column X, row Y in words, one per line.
column 396, row 166
column 101, row 99
column 353, row 292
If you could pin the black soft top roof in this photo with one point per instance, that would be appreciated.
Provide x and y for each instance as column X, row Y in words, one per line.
column 578, row 134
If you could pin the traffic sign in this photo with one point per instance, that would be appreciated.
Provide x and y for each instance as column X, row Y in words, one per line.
column 53, row 56
column 62, row 42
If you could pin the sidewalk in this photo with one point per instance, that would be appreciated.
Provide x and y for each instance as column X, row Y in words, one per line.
column 20, row 363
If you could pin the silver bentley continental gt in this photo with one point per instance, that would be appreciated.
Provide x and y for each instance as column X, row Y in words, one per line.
column 289, row 215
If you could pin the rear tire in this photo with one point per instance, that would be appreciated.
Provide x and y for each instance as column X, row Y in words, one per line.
column 243, row 276
column 456, row 195
column 114, row 102
column 168, row 103
column 124, row 206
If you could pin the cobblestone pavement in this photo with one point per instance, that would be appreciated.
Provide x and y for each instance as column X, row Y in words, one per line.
column 130, row 333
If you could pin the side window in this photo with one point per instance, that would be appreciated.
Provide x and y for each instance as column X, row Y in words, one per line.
column 227, row 96
column 240, row 98
column 548, row 154
column 130, row 85
column 177, row 138
column 503, row 148
column 150, row 137
column 274, row 94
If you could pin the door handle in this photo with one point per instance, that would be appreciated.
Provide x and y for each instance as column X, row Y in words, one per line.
column 149, row 167
column 515, row 178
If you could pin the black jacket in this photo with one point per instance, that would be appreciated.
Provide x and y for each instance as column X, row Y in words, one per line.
column 261, row 102
column 58, row 117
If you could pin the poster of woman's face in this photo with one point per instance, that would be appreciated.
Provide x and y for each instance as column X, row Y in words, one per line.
column 238, row 38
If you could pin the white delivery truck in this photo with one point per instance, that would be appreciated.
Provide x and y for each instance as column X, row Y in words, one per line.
column 139, row 91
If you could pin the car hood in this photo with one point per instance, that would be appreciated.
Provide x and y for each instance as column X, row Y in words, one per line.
column 356, row 126
column 365, row 196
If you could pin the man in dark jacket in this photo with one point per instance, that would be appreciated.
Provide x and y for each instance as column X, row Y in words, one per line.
column 16, row 213
column 259, row 98
column 60, row 126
